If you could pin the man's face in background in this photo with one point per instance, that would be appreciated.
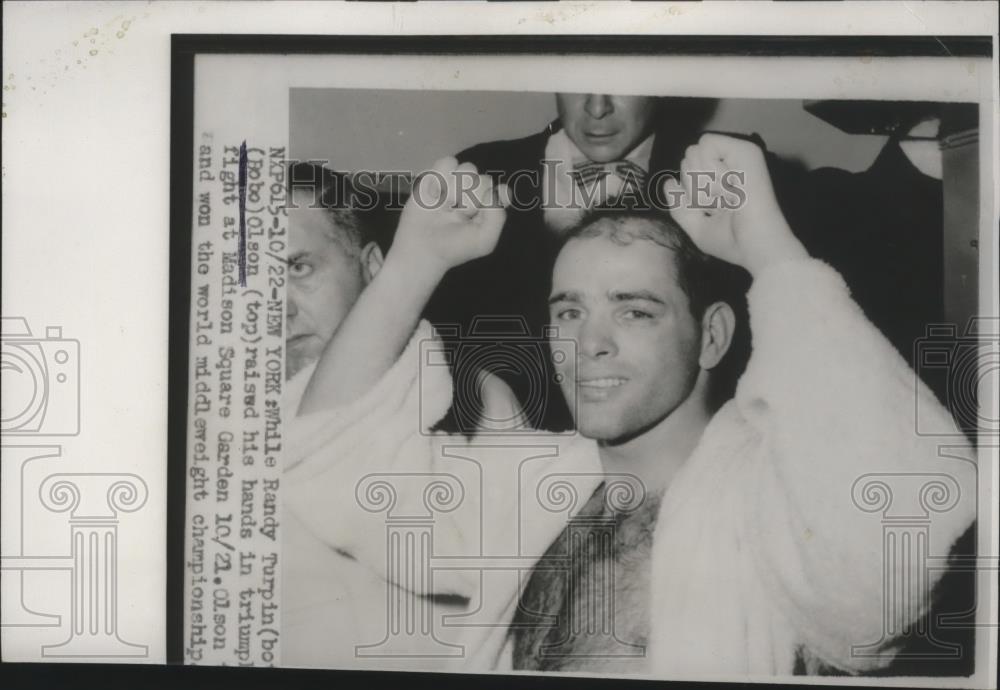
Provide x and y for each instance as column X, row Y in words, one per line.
column 325, row 278
column 605, row 128
column 638, row 344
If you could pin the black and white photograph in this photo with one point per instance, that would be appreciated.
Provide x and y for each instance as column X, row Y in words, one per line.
column 507, row 343
column 611, row 378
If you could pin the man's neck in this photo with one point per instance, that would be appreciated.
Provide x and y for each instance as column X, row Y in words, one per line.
column 655, row 455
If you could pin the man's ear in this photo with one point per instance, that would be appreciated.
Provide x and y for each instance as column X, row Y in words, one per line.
column 371, row 261
column 717, row 327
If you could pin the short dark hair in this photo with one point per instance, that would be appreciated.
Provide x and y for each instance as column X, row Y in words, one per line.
column 331, row 192
column 703, row 278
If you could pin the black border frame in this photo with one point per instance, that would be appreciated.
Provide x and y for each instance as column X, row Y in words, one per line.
column 186, row 47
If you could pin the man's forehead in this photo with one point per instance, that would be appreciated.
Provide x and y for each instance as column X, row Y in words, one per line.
column 315, row 230
column 607, row 264
column 635, row 235
column 306, row 223
column 306, row 211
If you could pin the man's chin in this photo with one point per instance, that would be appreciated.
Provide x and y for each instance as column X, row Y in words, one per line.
column 602, row 150
column 603, row 154
column 599, row 429
column 611, row 425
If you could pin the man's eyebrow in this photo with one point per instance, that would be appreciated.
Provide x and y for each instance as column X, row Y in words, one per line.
column 296, row 256
column 634, row 295
column 564, row 296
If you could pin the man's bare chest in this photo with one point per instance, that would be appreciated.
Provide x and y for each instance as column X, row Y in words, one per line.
column 586, row 604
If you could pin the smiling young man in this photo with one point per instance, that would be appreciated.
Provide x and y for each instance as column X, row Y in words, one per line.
column 653, row 319
column 599, row 147
column 744, row 551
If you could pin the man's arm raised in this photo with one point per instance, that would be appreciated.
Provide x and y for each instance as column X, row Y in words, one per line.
column 754, row 236
column 356, row 448
column 453, row 215
column 832, row 404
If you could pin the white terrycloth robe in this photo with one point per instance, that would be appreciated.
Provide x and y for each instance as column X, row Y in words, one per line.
column 767, row 541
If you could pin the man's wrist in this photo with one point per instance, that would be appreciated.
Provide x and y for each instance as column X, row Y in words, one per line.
column 416, row 272
column 784, row 246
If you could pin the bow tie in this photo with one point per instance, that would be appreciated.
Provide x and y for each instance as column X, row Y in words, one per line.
column 585, row 174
